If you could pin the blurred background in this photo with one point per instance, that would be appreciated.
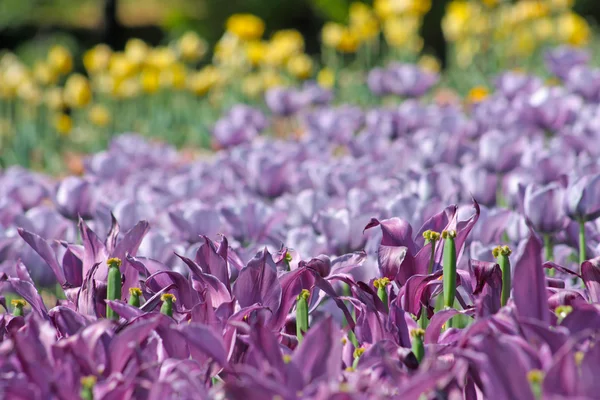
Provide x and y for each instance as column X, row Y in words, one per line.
column 75, row 72
column 27, row 25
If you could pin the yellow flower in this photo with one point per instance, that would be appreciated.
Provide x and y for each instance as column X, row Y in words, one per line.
column 121, row 67
column 349, row 42
column 202, row 81
column 99, row 115
column 173, row 77
column 457, row 20
column 429, row 63
column 401, row 31
column 359, row 13
column 97, row 58
column 136, row 51
column 149, row 79
column 44, row 74
column 78, row 92
column 63, row 124
column 227, row 51
column 477, row 94
column 252, row 85
column 271, row 78
column 288, row 41
column 523, row 42
column 127, row 88
column 161, row 57
column 331, row 34
column 326, row 78
column 29, row 92
column 54, row 98
column 245, row 26
column 255, row 51
column 573, row 29
column 300, row 66
column 13, row 74
column 103, row 83
column 60, row 59
column 543, row 28
column 191, row 47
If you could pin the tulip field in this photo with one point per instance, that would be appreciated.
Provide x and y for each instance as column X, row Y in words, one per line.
column 251, row 221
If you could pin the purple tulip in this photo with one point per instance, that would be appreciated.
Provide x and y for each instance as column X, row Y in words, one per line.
column 285, row 102
column 543, row 207
column 582, row 198
column 75, row 198
column 563, row 59
column 498, row 152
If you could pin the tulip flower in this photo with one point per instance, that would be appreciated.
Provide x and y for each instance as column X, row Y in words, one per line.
column 581, row 205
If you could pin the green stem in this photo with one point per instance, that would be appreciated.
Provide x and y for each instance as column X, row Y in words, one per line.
column 582, row 255
column 113, row 285
column 502, row 254
column 167, row 306
column 449, row 274
column 549, row 247
column 418, row 348
column 302, row 314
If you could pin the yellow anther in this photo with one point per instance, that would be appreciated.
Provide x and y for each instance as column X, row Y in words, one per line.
column 449, row 234
column 381, row 283
column 134, row 291
column 168, row 297
column 305, row 294
column 417, row 333
column 358, row 352
column 18, row 303
column 114, row 262
column 535, row 376
column 88, row 381
column 287, row 358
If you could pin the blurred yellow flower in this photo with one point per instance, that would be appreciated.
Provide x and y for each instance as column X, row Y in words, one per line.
column 174, row 77
column 255, row 51
column 389, row 8
column 149, row 79
column 191, row 47
column 573, row 29
column 60, row 59
column 44, row 74
column 136, row 51
column 227, row 51
column 127, row 88
column 29, row 92
column 103, row 83
column 326, row 78
column 202, row 81
column 457, row 20
column 54, row 98
column 430, row 63
column 543, row 28
column 99, row 115
column 401, row 31
column 522, row 42
column 63, row 124
column 359, row 13
column 252, row 85
column 78, row 92
column 245, row 26
column 161, row 57
column 300, row 66
column 349, row 42
column 332, row 33
column 13, row 74
column 97, row 58
column 465, row 51
column 286, row 42
column 477, row 94
column 121, row 67
column 271, row 78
